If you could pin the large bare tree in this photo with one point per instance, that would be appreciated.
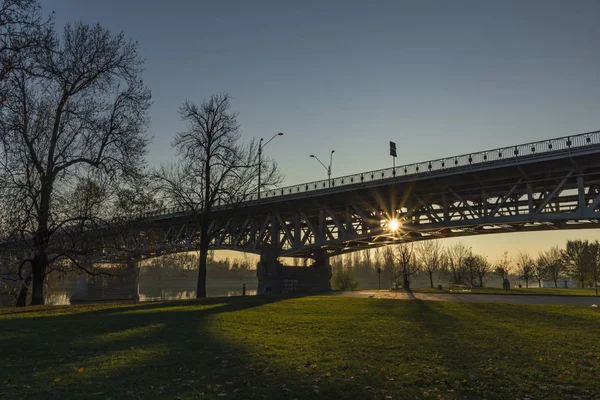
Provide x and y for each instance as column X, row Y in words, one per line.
column 214, row 167
column 76, row 112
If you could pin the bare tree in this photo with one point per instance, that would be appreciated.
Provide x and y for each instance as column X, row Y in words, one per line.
column 503, row 265
column 455, row 259
column 595, row 262
column 77, row 112
column 577, row 257
column 430, row 255
column 525, row 267
column 404, row 253
column 476, row 268
column 539, row 270
column 389, row 265
column 552, row 263
column 21, row 29
column 214, row 168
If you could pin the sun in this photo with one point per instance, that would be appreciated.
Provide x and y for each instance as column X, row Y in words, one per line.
column 394, row 225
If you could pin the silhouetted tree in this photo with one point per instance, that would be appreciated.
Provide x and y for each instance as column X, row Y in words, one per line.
column 577, row 256
column 595, row 262
column 552, row 263
column 455, row 259
column 390, row 267
column 404, row 254
column 75, row 112
column 22, row 28
column 503, row 266
column 476, row 268
column 525, row 267
column 214, row 168
column 431, row 257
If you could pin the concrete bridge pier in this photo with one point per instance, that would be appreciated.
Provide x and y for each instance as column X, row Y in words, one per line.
column 275, row 278
column 269, row 272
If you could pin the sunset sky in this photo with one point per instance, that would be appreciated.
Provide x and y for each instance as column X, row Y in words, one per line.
column 439, row 78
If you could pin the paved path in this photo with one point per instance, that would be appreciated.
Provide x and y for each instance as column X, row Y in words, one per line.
column 480, row 298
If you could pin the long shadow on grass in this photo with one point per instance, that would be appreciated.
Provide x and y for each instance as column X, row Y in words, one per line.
column 174, row 346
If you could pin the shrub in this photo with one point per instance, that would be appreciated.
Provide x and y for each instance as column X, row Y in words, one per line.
column 344, row 279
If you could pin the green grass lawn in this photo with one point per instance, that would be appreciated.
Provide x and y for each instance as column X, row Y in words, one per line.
column 530, row 290
column 301, row 348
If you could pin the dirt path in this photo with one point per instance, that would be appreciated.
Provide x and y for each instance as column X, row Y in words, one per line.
column 480, row 298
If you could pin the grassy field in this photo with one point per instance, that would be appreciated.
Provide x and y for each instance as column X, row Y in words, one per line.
column 300, row 348
column 530, row 290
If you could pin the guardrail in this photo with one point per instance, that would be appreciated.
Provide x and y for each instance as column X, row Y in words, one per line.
column 503, row 154
column 522, row 151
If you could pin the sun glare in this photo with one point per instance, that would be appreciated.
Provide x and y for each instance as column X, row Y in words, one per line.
column 394, row 225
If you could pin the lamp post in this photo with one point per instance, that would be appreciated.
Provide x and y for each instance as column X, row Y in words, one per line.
column 328, row 169
column 260, row 147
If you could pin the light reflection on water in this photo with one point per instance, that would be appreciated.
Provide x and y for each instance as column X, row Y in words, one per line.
column 191, row 294
column 155, row 293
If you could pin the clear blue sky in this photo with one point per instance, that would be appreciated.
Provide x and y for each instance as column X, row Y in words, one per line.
column 438, row 77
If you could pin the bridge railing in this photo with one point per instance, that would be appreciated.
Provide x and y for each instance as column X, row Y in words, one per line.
column 499, row 155
column 509, row 153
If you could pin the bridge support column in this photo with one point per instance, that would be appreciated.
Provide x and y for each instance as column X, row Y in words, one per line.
column 321, row 276
column 269, row 272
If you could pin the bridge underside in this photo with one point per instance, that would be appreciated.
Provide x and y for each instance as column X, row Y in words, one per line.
column 562, row 192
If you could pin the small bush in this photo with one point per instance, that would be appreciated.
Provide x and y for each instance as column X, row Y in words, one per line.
column 344, row 279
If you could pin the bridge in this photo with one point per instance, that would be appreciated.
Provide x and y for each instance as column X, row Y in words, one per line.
column 545, row 185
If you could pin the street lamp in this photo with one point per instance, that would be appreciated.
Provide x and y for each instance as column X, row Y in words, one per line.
column 260, row 147
column 328, row 169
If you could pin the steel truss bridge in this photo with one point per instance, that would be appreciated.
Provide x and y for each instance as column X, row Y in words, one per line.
column 546, row 185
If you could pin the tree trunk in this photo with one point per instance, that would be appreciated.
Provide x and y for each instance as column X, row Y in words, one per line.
column 431, row 278
column 201, row 284
column 539, row 282
column 22, row 298
column 203, row 259
column 405, row 279
column 555, row 283
column 38, row 273
column 526, row 283
column 41, row 240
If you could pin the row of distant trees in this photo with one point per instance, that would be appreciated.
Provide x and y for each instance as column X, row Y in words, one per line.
column 578, row 260
column 459, row 264
column 74, row 111
column 184, row 264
